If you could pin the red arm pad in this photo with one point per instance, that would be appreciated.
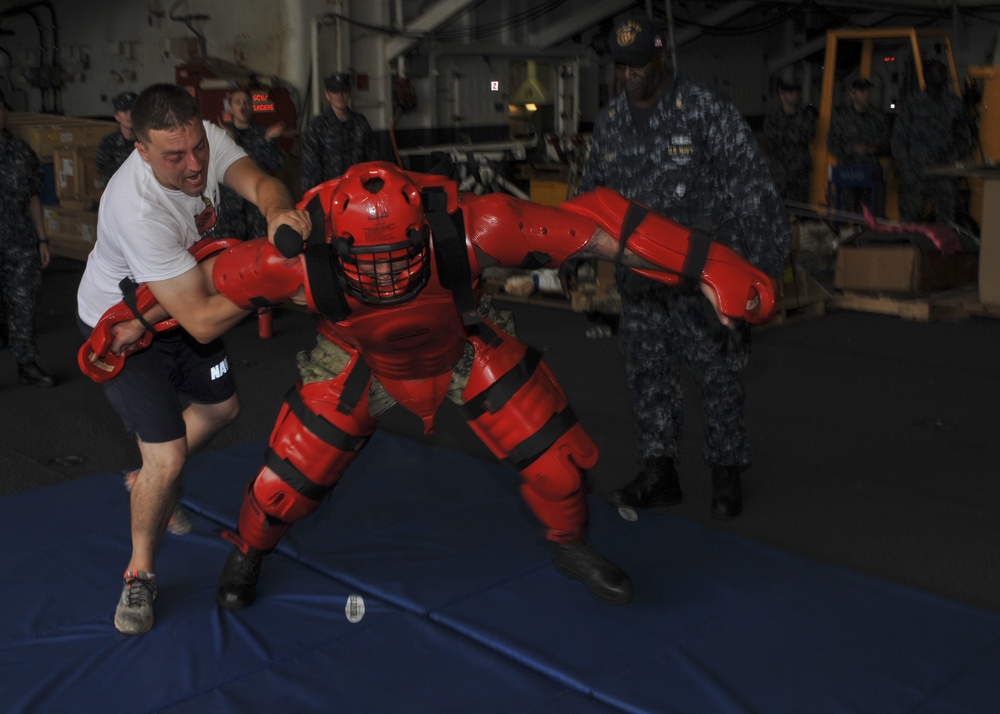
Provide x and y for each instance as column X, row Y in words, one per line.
column 254, row 274
column 101, row 338
column 519, row 233
column 744, row 292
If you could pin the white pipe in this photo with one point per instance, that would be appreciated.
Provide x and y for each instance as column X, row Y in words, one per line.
column 314, row 65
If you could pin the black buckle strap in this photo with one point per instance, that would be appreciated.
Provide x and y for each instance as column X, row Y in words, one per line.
column 528, row 451
column 295, row 478
column 128, row 288
column 450, row 253
column 321, row 428
column 499, row 393
column 697, row 255
column 634, row 215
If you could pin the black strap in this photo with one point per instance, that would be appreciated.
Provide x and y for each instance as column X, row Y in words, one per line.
column 499, row 393
column 295, row 478
column 450, row 252
column 634, row 215
column 322, row 429
column 318, row 218
column 354, row 386
column 128, row 288
column 326, row 289
column 697, row 255
column 528, row 451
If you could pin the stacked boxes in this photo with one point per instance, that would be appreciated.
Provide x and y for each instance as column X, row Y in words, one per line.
column 69, row 145
column 72, row 232
column 77, row 184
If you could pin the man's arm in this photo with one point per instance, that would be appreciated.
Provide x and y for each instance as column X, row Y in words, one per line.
column 191, row 299
column 269, row 194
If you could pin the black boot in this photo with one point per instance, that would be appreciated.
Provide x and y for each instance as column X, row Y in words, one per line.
column 32, row 375
column 238, row 582
column 727, row 492
column 656, row 485
column 605, row 580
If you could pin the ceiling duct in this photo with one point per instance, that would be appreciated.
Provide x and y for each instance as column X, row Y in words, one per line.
column 531, row 90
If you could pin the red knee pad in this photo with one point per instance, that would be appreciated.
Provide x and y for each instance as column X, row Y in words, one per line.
column 313, row 442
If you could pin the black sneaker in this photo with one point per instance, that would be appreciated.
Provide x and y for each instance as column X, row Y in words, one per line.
column 238, row 582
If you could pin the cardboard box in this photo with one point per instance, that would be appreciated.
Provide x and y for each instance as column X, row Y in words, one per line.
column 77, row 183
column 989, row 245
column 901, row 269
column 548, row 193
column 72, row 232
column 47, row 132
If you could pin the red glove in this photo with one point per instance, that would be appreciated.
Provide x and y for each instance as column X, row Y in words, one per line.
column 95, row 357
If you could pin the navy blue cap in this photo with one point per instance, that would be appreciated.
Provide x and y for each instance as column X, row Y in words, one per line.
column 338, row 82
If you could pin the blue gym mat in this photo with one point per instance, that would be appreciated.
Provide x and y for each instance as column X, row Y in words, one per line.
column 462, row 610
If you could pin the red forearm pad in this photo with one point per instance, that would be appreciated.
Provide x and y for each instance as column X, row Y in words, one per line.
column 520, row 233
column 254, row 274
column 744, row 292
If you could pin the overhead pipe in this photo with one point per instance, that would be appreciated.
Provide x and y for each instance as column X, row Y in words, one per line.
column 53, row 68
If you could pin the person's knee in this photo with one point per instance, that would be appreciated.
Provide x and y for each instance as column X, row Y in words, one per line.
column 163, row 462
column 224, row 413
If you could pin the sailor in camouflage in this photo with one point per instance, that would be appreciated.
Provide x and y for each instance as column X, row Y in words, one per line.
column 789, row 131
column 116, row 146
column 859, row 134
column 671, row 144
column 337, row 139
column 24, row 249
column 931, row 129
column 240, row 218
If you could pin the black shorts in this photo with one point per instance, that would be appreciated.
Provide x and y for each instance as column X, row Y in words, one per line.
column 146, row 393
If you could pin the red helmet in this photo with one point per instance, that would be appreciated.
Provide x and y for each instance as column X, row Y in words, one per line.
column 379, row 234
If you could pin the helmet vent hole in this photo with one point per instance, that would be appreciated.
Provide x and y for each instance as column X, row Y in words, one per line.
column 373, row 185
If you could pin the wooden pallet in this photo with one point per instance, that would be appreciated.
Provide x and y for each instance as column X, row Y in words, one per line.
column 947, row 305
column 804, row 300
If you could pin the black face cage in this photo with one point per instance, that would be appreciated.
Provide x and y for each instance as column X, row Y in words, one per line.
column 385, row 274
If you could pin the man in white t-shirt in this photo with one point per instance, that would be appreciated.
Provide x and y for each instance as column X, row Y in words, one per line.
column 178, row 393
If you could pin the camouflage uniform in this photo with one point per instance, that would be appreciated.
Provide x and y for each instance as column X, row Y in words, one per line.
column 849, row 127
column 696, row 163
column 20, row 263
column 788, row 137
column 929, row 133
column 239, row 217
column 111, row 153
column 330, row 146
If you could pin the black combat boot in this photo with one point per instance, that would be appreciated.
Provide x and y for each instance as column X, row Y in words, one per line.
column 238, row 583
column 605, row 580
column 32, row 375
column 656, row 485
column 727, row 493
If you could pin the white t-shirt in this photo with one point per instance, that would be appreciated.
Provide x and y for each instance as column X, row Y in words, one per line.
column 144, row 229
